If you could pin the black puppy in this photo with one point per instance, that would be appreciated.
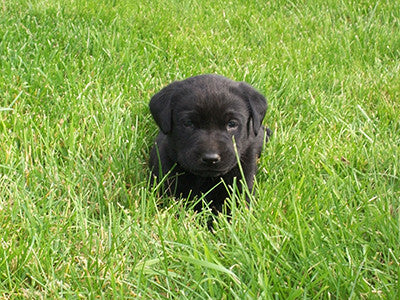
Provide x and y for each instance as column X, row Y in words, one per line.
column 203, row 121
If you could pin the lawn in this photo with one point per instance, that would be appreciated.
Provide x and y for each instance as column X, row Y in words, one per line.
column 77, row 216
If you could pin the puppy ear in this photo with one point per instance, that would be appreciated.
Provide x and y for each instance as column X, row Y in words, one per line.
column 161, row 107
column 257, row 104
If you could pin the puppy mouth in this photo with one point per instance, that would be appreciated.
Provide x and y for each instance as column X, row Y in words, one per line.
column 209, row 172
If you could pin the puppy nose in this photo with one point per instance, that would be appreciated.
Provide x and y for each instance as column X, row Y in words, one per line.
column 210, row 158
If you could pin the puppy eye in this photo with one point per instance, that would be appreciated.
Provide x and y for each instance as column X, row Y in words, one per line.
column 188, row 123
column 232, row 125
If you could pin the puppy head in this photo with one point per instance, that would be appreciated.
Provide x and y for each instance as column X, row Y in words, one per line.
column 202, row 116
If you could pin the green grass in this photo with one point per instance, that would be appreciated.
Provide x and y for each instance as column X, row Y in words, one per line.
column 77, row 219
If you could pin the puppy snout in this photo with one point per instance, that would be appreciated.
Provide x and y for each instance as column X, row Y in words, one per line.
column 210, row 158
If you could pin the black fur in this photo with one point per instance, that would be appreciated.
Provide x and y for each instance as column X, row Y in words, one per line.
column 198, row 119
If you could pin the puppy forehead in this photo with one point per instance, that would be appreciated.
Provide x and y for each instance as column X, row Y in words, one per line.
column 211, row 106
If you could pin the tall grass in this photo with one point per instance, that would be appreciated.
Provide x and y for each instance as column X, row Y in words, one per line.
column 77, row 216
